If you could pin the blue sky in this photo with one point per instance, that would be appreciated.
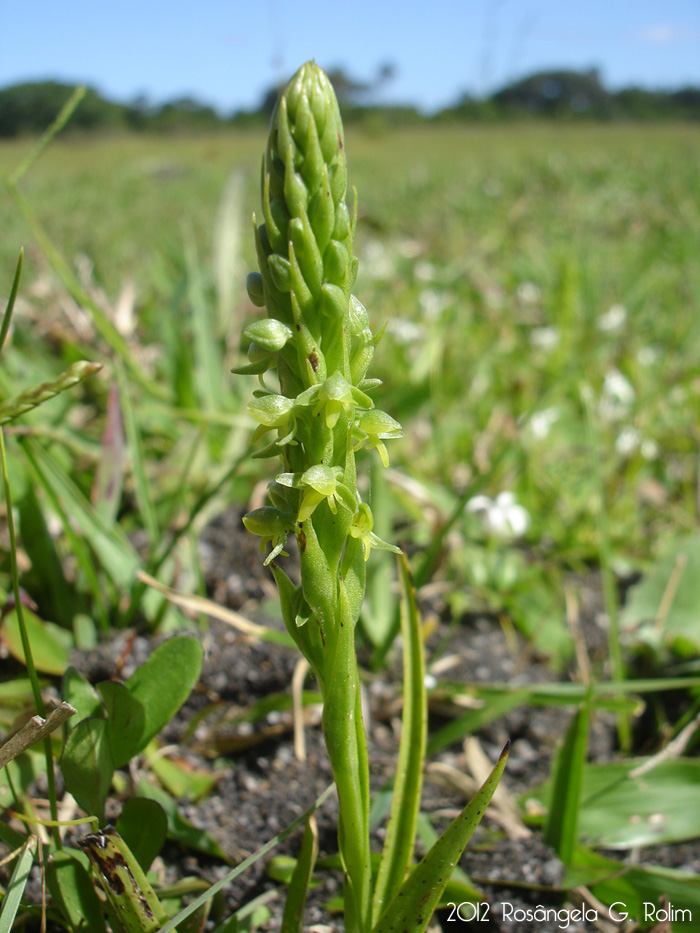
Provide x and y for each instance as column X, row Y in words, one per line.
column 227, row 52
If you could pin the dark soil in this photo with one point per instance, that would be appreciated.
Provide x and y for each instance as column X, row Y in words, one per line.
column 262, row 786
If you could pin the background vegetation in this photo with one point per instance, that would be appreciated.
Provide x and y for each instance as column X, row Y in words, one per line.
column 541, row 289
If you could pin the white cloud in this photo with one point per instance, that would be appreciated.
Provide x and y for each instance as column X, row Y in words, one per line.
column 666, row 34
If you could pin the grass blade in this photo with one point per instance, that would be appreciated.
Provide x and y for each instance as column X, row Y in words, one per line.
column 18, row 882
column 64, row 115
column 263, row 850
column 562, row 823
column 401, row 830
column 412, row 908
column 138, row 466
column 293, row 917
column 7, row 316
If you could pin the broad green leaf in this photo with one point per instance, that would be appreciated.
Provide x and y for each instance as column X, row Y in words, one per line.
column 410, row 911
column 126, row 718
column 87, row 764
column 562, row 822
column 18, row 882
column 164, row 682
column 72, row 887
column 143, row 826
column 665, row 605
column 622, row 812
column 180, row 829
column 77, row 691
column 293, row 916
column 639, row 889
column 49, row 654
column 401, row 829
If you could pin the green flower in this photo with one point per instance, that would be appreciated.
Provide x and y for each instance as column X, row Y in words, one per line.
column 333, row 397
column 273, row 526
column 361, row 528
column 372, row 428
column 316, row 484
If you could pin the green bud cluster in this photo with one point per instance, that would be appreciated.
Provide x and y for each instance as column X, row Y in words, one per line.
column 317, row 336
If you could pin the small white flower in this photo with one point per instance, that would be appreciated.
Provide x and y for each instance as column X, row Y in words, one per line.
column 432, row 302
column 540, row 424
column 528, row 293
column 404, row 331
column 613, row 319
column 377, row 262
column 424, row 271
column 544, row 338
column 430, row 681
column 627, row 441
column 503, row 517
column 649, row 449
column 618, row 396
column 646, row 356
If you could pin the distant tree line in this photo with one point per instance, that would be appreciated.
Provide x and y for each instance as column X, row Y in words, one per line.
column 29, row 108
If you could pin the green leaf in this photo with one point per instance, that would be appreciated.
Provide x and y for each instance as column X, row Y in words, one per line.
column 180, row 829
column 622, row 811
column 401, row 830
column 49, row 654
column 81, row 695
column 87, row 764
column 665, row 606
column 411, row 909
column 143, row 826
column 293, row 916
column 126, row 718
column 182, row 783
column 9, row 307
column 18, row 882
column 164, row 682
column 72, row 888
column 567, row 777
column 633, row 887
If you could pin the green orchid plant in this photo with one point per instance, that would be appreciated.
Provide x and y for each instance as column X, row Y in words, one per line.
column 317, row 336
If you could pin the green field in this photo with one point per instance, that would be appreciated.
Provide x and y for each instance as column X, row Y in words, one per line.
column 540, row 286
column 495, row 254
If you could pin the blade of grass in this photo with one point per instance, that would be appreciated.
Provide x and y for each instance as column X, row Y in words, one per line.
column 293, row 916
column 138, row 460
column 18, row 882
column 624, row 729
column 401, row 830
column 562, row 822
column 64, row 115
column 244, row 865
column 7, row 317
